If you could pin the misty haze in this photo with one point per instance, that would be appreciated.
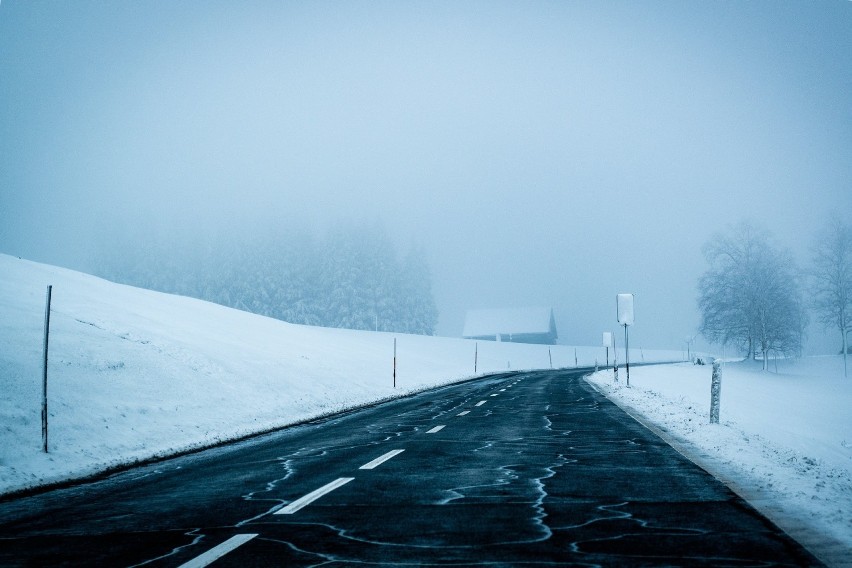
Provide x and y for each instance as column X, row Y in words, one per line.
column 259, row 214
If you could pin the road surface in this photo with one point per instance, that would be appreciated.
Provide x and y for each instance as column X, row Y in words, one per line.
column 522, row 469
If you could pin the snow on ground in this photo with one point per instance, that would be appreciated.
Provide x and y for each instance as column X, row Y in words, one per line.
column 135, row 374
column 784, row 441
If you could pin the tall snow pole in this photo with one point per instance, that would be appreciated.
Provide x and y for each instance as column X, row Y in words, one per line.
column 44, row 370
column 475, row 356
column 394, row 362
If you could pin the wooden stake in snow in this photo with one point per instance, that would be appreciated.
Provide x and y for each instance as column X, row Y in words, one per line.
column 44, row 370
column 394, row 362
column 475, row 357
column 715, row 392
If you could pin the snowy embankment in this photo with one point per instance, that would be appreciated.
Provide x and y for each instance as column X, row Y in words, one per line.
column 136, row 374
column 784, row 441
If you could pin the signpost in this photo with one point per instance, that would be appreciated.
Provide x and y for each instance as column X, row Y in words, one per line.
column 624, row 308
column 607, row 342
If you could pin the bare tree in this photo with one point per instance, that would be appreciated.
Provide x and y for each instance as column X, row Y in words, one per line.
column 831, row 280
column 750, row 297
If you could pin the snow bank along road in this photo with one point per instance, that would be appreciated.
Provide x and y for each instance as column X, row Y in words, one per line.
column 522, row 468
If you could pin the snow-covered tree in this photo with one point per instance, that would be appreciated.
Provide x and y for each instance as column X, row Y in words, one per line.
column 421, row 315
column 831, row 280
column 750, row 297
column 350, row 279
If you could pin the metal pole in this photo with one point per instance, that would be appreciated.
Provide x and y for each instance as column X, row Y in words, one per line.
column 475, row 357
column 550, row 356
column 627, row 353
column 44, row 370
column 394, row 362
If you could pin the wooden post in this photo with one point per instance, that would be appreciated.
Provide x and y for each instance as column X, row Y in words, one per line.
column 394, row 362
column 715, row 392
column 475, row 357
column 550, row 356
column 44, row 370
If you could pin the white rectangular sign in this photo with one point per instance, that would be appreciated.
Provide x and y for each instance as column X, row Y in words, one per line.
column 625, row 309
column 607, row 339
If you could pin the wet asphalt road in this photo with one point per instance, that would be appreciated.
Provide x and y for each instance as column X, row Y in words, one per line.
column 527, row 469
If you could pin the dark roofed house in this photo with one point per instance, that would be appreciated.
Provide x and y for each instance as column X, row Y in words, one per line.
column 519, row 325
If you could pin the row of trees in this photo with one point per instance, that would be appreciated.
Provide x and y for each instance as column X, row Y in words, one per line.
column 752, row 296
column 351, row 279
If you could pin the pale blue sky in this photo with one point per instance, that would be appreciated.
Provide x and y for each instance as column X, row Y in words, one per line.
column 545, row 153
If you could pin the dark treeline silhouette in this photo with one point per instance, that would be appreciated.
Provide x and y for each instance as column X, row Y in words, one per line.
column 352, row 278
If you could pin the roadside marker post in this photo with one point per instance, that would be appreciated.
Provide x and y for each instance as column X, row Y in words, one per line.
column 715, row 392
column 615, row 358
column 44, row 370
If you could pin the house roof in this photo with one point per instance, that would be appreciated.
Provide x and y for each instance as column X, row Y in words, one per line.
column 480, row 323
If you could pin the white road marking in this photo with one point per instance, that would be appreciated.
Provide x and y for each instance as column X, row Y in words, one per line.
column 313, row 496
column 436, row 429
column 463, row 413
column 381, row 459
column 480, row 403
column 218, row 551
column 495, row 394
column 503, row 390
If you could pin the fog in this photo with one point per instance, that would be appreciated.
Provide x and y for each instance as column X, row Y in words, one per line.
column 544, row 153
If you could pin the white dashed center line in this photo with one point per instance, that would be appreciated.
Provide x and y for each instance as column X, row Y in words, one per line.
column 381, row 459
column 436, row 429
column 218, row 551
column 495, row 394
column 313, row 496
column 463, row 413
column 503, row 390
column 480, row 403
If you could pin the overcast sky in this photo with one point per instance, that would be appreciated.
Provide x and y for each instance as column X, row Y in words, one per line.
column 544, row 153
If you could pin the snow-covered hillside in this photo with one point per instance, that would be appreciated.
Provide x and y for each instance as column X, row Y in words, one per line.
column 135, row 374
column 784, row 441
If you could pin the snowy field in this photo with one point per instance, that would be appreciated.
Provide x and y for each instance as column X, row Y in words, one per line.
column 135, row 374
column 784, row 440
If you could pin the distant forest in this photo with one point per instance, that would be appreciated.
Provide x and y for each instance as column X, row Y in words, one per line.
column 352, row 278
